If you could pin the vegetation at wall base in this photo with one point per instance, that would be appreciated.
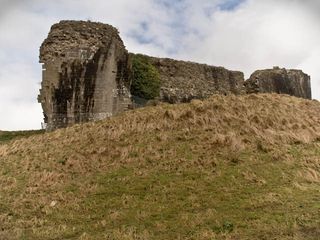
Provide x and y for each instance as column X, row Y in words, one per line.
column 146, row 78
column 228, row 167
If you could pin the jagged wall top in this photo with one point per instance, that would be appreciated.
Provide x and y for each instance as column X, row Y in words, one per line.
column 182, row 81
column 280, row 80
column 68, row 35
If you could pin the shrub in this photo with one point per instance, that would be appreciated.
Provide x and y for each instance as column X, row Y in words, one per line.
column 146, row 78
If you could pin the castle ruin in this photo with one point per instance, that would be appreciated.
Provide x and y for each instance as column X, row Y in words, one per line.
column 87, row 75
column 280, row 80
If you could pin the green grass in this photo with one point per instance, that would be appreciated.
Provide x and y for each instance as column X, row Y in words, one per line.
column 249, row 199
column 193, row 171
column 6, row 136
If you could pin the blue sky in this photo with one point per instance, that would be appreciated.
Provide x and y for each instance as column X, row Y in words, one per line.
column 230, row 5
column 238, row 34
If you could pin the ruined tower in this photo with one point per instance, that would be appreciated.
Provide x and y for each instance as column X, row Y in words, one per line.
column 86, row 73
column 280, row 80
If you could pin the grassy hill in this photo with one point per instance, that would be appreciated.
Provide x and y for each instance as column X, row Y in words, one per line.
column 228, row 167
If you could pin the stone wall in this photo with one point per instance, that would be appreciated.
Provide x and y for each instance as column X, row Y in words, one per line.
column 182, row 81
column 280, row 80
column 86, row 73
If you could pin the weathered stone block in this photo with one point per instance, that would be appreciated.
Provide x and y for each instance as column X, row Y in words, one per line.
column 86, row 73
column 280, row 80
column 183, row 81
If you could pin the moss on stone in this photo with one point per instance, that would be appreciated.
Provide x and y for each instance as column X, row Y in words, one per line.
column 146, row 78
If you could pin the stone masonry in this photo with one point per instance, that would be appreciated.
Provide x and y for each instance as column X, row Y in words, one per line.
column 183, row 81
column 86, row 73
column 280, row 80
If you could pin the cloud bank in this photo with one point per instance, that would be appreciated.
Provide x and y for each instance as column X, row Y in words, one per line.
column 238, row 34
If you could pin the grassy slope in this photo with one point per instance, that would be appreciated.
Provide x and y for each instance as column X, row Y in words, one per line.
column 226, row 168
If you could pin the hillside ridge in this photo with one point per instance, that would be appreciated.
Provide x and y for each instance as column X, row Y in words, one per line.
column 267, row 113
column 229, row 167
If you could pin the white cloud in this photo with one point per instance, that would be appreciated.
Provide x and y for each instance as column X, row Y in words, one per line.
column 258, row 35
column 254, row 35
column 18, row 116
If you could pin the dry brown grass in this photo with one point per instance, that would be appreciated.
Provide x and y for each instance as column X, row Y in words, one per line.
column 56, row 171
column 234, row 121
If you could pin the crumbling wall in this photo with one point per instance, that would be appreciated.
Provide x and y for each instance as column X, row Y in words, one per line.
column 280, row 80
column 182, row 81
column 86, row 73
column 87, row 76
